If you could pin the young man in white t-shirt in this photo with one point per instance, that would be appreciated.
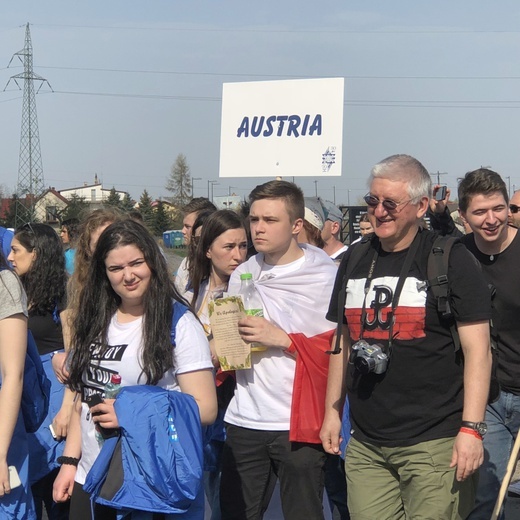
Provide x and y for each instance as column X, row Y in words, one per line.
column 272, row 427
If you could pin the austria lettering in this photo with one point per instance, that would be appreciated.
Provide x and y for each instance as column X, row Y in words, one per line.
column 290, row 126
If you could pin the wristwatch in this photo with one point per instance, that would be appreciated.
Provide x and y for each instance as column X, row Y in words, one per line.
column 479, row 427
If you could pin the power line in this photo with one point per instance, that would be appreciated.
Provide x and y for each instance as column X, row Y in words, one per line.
column 429, row 101
column 233, row 74
column 484, row 104
column 181, row 73
column 285, row 31
column 140, row 96
column 412, row 104
column 365, row 102
column 512, row 103
column 11, row 99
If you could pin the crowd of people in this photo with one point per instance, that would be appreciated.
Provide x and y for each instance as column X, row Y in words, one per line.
column 364, row 383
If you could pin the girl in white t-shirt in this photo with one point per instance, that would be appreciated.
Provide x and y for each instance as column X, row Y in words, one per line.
column 124, row 327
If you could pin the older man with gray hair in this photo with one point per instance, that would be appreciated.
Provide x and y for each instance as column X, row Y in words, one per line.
column 416, row 410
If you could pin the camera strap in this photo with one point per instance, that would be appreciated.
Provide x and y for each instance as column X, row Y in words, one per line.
column 349, row 262
column 410, row 255
column 366, row 289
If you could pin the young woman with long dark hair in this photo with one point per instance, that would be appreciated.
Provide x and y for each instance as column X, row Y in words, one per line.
column 127, row 302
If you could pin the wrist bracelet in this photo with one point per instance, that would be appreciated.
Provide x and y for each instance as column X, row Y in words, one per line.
column 71, row 461
column 469, row 431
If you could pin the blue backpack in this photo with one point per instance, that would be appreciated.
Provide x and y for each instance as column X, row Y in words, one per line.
column 36, row 388
column 5, row 240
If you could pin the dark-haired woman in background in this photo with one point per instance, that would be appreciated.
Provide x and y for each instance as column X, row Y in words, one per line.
column 221, row 248
column 89, row 231
column 37, row 258
column 191, row 260
column 128, row 300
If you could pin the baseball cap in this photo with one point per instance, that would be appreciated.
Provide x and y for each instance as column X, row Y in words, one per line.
column 314, row 212
column 331, row 211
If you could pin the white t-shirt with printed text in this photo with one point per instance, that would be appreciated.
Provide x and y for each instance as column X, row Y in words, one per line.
column 191, row 353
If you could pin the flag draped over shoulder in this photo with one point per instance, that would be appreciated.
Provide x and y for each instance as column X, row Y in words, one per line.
column 297, row 302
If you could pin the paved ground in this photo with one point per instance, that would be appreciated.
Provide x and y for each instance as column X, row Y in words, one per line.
column 174, row 258
column 274, row 512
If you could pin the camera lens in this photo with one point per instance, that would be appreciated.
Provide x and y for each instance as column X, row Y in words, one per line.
column 364, row 365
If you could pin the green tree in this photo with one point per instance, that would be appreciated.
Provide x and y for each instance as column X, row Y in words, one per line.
column 146, row 209
column 17, row 213
column 161, row 221
column 76, row 208
column 179, row 181
column 113, row 199
column 127, row 204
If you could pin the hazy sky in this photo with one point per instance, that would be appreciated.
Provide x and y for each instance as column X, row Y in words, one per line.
column 136, row 83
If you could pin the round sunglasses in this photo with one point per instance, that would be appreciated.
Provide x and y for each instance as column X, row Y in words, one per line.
column 388, row 204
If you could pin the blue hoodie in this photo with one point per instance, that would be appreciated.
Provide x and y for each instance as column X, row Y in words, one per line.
column 156, row 464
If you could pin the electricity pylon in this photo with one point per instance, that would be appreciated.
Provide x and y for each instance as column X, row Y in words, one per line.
column 30, row 168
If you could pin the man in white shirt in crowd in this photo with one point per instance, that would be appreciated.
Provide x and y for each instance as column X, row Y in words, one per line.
column 331, row 232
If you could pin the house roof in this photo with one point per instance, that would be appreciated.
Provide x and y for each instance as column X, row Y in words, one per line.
column 165, row 203
column 57, row 194
column 83, row 186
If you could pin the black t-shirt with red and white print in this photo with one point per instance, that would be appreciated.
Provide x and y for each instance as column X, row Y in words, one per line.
column 420, row 395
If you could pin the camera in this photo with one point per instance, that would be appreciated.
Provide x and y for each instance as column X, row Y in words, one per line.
column 368, row 358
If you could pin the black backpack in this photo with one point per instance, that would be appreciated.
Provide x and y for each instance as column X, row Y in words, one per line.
column 438, row 283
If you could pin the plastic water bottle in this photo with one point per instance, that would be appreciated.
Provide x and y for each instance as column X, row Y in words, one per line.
column 252, row 303
column 112, row 388
column 110, row 391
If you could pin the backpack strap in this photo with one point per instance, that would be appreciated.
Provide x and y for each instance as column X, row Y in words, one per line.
column 178, row 312
column 352, row 258
column 2, row 233
column 437, row 272
column 36, row 389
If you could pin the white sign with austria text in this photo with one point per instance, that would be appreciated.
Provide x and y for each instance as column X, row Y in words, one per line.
column 282, row 128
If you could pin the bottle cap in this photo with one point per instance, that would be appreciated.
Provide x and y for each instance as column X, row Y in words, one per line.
column 246, row 276
column 115, row 379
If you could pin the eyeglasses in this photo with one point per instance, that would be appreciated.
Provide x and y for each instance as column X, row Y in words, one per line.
column 514, row 208
column 388, row 204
